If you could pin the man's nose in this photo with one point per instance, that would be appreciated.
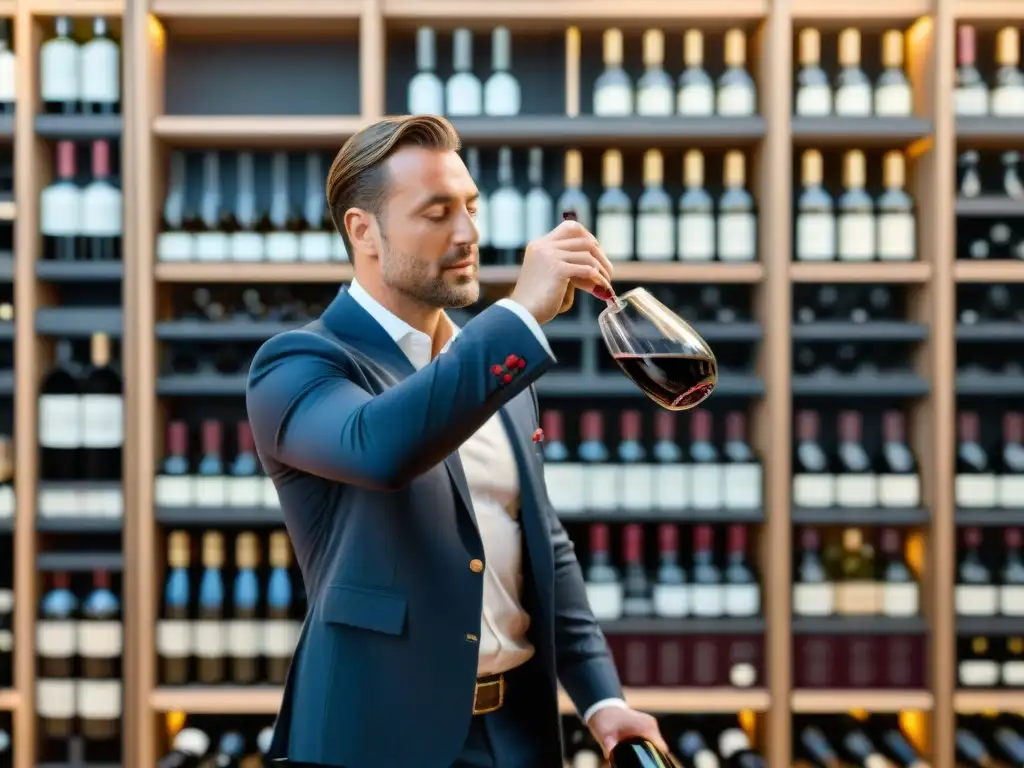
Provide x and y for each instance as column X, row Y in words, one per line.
column 466, row 231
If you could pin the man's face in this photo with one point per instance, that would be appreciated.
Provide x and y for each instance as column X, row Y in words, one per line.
column 428, row 234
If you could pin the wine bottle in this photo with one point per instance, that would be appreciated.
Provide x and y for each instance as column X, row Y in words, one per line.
column 463, row 91
column 655, row 92
column 655, row 225
column 706, row 592
column 573, row 198
column 813, row 93
column 696, row 240
column 426, row 92
column 100, row 78
column 857, row 236
column 1007, row 98
column 537, row 203
column 897, row 228
column 563, row 477
column 603, row 585
column 282, row 244
column 900, row 592
column 187, row 749
column 856, row 483
column 670, row 594
column 857, row 594
column 174, row 243
column 244, row 485
column 102, row 409
column 227, row 753
column 210, row 482
column 502, row 94
column 636, row 591
column 737, row 222
column 635, row 752
column 613, row 90
column 695, row 751
column 60, row 70
column 707, row 475
column 280, row 630
column 898, row 483
column 211, row 241
column 1011, row 588
column 636, row 480
column 246, row 244
column 853, row 88
column 60, row 417
column 506, row 207
column 975, row 591
column 8, row 64
column 600, row 478
column 737, row 96
column 742, row 478
column 815, row 214
column 174, row 641
column 970, row 98
column 102, row 207
column 813, row 592
column 244, row 641
column 696, row 96
column 892, row 91
column 60, row 209
column 209, row 639
column 1010, row 487
column 100, row 646
column 614, row 210
column 56, row 646
column 975, row 481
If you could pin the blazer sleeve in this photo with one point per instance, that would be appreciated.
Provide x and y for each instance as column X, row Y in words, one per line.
column 308, row 412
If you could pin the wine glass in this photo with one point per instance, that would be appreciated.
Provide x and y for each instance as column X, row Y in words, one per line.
column 658, row 350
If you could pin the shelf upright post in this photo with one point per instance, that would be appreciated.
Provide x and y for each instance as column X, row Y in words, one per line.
column 774, row 173
column 372, row 61
column 28, row 164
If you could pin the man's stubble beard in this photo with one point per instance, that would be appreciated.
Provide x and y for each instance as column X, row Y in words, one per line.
column 409, row 276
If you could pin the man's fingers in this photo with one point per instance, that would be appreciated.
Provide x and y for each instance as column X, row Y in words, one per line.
column 589, row 244
column 587, row 257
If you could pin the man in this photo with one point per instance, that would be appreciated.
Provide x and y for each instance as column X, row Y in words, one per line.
column 446, row 602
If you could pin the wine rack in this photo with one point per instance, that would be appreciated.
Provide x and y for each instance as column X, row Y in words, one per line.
column 219, row 74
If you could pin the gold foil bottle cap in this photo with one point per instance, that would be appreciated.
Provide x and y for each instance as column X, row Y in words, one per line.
column 247, row 550
column 810, row 47
column 213, row 550
column 979, row 645
column 179, row 550
column 613, row 47
column 654, row 168
column 1008, row 47
column 734, row 169
column 853, row 539
column 693, row 168
column 573, row 168
column 854, row 169
column 735, row 48
column 280, row 555
column 654, row 48
column 892, row 49
column 693, row 48
column 611, row 169
column 849, row 48
column 100, row 350
column 894, row 169
column 812, row 168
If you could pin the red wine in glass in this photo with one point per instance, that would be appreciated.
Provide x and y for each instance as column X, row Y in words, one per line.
column 638, row 753
column 674, row 381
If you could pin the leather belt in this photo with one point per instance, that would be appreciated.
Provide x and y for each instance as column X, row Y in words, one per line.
column 489, row 695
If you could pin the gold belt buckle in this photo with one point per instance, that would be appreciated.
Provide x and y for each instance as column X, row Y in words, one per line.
column 500, row 683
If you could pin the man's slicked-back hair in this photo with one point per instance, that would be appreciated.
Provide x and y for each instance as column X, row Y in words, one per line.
column 358, row 178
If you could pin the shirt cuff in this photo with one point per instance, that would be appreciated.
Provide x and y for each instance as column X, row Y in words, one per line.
column 530, row 320
column 603, row 704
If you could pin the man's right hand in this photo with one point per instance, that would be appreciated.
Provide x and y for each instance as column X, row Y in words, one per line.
column 567, row 258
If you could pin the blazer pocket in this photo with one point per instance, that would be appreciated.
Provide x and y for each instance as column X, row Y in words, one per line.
column 377, row 610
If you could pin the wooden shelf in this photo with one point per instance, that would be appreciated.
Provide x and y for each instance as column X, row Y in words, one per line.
column 73, row 7
column 838, row 701
column 988, row 10
column 973, row 702
column 870, row 272
column 989, row 271
column 255, row 131
column 256, row 9
column 569, row 11
column 858, row 11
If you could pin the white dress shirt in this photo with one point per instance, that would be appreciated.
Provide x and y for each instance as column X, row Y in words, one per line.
column 493, row 478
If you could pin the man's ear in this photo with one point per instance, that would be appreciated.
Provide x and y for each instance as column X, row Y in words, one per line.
column 361, row 229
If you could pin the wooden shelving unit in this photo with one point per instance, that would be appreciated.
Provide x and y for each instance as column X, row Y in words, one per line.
column 932, row 137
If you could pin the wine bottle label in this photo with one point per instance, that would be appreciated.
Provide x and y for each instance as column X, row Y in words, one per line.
column 102, row 421
column 507, row 219
column 6, row 601
column 601, row 484
column 6, row 641
column 893, row 100
column 100, row 81
column 672, row 484
column 100, row 639
column 971, row 102
column 209, row 638
column 736, row 100
column 857, row 490
column 897, row 237
column 636, row 487
column 210, row 490
column 656, row 237
column 1013, row 674
column 174, row 491
column 463, row 95
column 742, row 600
column 638, row 606
column 175, row 246
column 706, row 600
column 853, row 101
column 270, row 498
column 814, row 599
column 613, row 100
column 565, row 486
column 696, row 237
column 901, row 600
column 707, row 490
column 246, row 246
column 245, row 491
column 280, row 636
column 173, row 639
column 102, row 502
column 814, row 490
column 976, row 490
column 814, row 100
column 426, row 94
column 102, row 211
column 1011, row 600
column 737, row 237
column 743, row 485
column 655, row 101
column 56, row 698
column 210, row 246
column 7, row 77
column 978, row 673
column 976, row 599
column 815, row 237
column 56, row 639
column 59, row 70
column 857, row 236
column 60, row 211
column 899, row 491
column 315, row 246
column 99, row 699
column 244, row 638
column 696, row 101
column 605, row 601
column 7, row 501
column 671, row 601
column 706, row 759
column 502, row 97
column 59, row 502
column 1008, row 101
column 743, row 675
column 282, row 246
column 858, row 598
column 615, row 233
column 1010, row 491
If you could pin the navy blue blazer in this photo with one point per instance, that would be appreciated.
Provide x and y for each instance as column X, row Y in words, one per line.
column 363, row 451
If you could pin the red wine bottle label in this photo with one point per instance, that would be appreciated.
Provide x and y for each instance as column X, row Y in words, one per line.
column 814, row 490
column 99, row 699
column 601, row 486
column 856, row 490
column 605, row 601
column 706, row 600
column 60, row 501
column 175, row 246
column 56, row 639
column 280, row 636
column 858, row 598
column 814, row 599
column 211, row 490
column 978, row 673
column 901, row 599
column 102, row 421
column 636, row 487
column 60, row 216
column 1010, row 491
column 209, row 638
column 244, row 639
column 270, row 498
column 56, row 698
column 210, row 246
column 899, row 491
column 100, row 639
column 976, row 599
column 742, row 600
column 246, row 246
column 175, row 491
column 1011, row 600
column 565, row 486
column 60, row 421
column 708, row 486
column 743, row 485
column 976, row 490
column 282, row 246
column 671, row 601
column 174, row 638
column 245, row 491
column 672, row 483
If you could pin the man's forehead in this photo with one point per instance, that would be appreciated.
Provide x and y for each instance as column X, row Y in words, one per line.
column 415, row 167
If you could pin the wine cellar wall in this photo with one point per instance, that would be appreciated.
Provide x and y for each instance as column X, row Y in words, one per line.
column 829, row 190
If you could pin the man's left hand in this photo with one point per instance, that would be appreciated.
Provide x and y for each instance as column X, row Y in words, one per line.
column 613, row 724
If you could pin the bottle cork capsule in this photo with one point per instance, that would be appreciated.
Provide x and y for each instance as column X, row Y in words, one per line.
column 854, row 169
column 611, row 169
column 654, row 168
column 573, row 168
column 100, row 350
column 892, row 49
column 246, row 550
column 693, row 48
column 810, row 47
column 213, row 550
column 280, row 554
column 179, row 546
column 693, row 168
column 735, row 48
column 852, row 539
column 654, row 48
column 812, row 168
column 734, row 171
column 849, row 48
column 613, row 47
column 1008, row 47
column 894, row 170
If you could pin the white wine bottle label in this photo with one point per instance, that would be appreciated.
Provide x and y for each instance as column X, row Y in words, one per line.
column 901, row 599
column 814, row 490
column 655, row 102
column 613, row 101
column 971, row 102
column 671, row 601
column 857, row 236
column 426, row 95
column 60, row 421
column 814, row 599
column 672, row 484
column 315, row 246
column 743, row 486
column 1008, row 101
column 565, row 486
column 858, row 598
column 100, row 639
column 56, row 698
column 246, row 247
column 174, row 638
column 742, row 600
column 7, row 77
column 100, row 81
column 59, row 502
column 59, row 70
column 656, row 237
column 696, row 101
column 636, row 487
column 976, row 600
column 978, row 673
column 7, row 501
column 815, row 237
column 211, row 246
column 1010, row 491
column 102, row 421
column 56, row 639
column 174, row 491
column 707, row 490
column 6, row 601
column 605, row 601
column 893, row 101
column 976, row 491
column 696, row 237
column 209, row 638
column 1011, row 600
column 706, row 600
column 6, row 641
column 615, row 234
column 102, row 212
column 814, row 100
column 99, row 699
column 853, row 101
column 211, row 490
column 244, row 638
column 245, row 491
column 737, row 237
column 854, row 490
column 1013, row 674
column 899, row 491
column 282, row 246
column 280, row 636
column 175, row 246
column 736, row 101
column 270, row 498
column 60, row 212
column 601, row 486
column 897, row 237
